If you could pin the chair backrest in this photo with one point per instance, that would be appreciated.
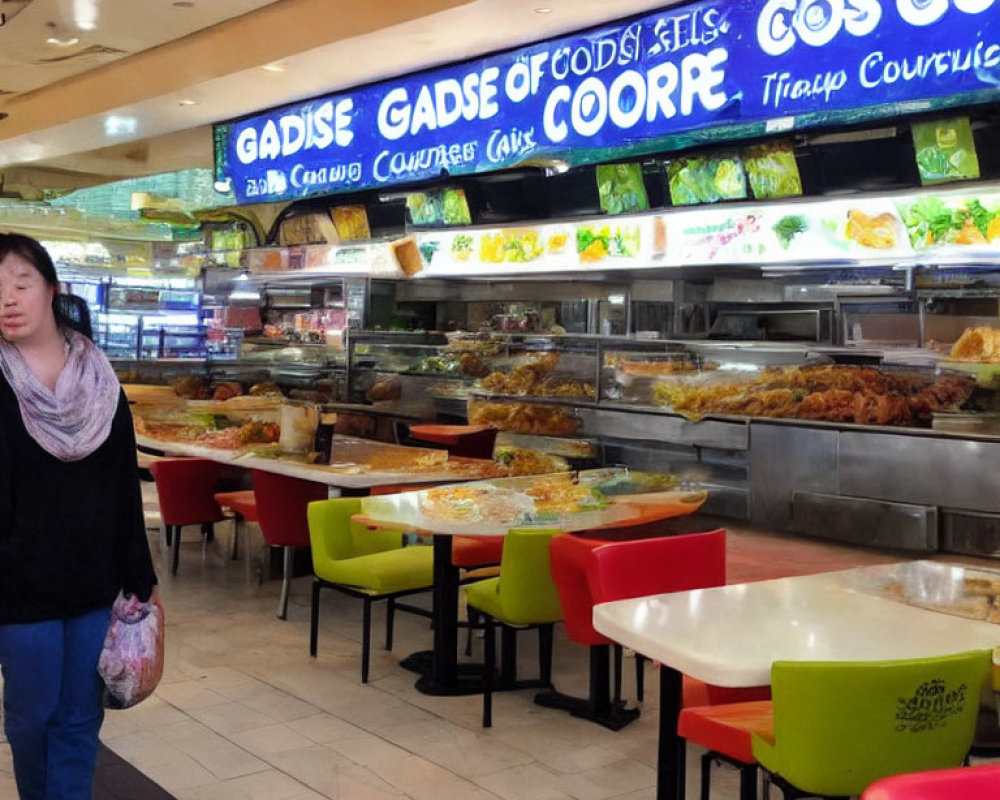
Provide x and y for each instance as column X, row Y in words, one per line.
column 569, row 556
column 281, row 507
column 527, row 593
column 623, row 570
column 185, row 488
column 981, row 782
column 335, row 537
column 839, row 726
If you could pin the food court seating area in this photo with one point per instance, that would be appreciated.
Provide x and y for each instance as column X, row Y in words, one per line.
column 242, row 705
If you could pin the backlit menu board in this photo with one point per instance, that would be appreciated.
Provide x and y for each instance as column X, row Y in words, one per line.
column 705, row 71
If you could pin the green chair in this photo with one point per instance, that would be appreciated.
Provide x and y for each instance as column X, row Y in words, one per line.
column 363, row 562
column 839, row 726
column 523, row 595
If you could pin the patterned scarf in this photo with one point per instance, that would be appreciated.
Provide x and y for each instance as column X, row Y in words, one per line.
column 74, row 420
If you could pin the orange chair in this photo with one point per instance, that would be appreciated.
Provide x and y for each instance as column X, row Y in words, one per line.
column 726, row 730
column 243, row 506
column 470, row 441
column 981, row 782
column 185, row 488
column 281, row 504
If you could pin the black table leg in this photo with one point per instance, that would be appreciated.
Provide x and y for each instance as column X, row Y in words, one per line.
column 441, row 674
column 598, row 706
column 671, row 757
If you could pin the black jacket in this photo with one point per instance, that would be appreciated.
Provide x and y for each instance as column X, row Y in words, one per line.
column 71, row 532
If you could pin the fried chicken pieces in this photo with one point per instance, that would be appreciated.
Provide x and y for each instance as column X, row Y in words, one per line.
column 859, row 395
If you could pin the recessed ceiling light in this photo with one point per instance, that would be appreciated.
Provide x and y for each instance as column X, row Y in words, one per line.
column 543, row 10
column 188, row 103
column 276, row 67
column 57, row 42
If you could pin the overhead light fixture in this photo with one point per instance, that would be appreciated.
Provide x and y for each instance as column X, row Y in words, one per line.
column 543, row 10
column 120, row 126
column 187, row 103
column 55, row 41
column 275, row 67
column 85, row 14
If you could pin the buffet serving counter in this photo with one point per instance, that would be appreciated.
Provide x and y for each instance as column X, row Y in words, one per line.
column 859, row 446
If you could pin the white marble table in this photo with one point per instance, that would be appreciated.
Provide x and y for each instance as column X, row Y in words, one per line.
column 334, row 477
column 730, row 635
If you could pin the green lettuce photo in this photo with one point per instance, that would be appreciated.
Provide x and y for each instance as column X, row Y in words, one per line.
column 945, row 150
column 772, row 170
column 706, row 179
column 621, row 188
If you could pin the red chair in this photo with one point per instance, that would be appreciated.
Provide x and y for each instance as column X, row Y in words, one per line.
column 981, row 782
column 243, row 506
column 281, row 513
column 668, row 570
column 185, row 488
column 677, row 564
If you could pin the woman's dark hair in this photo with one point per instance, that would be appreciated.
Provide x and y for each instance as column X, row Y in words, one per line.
column 70, row 311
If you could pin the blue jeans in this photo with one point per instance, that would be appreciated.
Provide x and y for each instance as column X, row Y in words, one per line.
column 53, row 703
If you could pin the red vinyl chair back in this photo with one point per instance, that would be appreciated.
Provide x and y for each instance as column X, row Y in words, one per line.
column 568, row 558
column 981, row 782
column 656, row 566
column 281, row 507
column 186, row 490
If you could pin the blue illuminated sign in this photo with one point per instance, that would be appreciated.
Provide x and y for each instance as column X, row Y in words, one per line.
column 706, row 71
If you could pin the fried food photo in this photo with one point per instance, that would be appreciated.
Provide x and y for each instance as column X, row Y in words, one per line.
column 877, row 232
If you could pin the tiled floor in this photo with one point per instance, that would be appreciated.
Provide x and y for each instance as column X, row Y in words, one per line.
column 243, row 712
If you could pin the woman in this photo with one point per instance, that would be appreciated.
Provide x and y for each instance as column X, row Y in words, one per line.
column 71, row 527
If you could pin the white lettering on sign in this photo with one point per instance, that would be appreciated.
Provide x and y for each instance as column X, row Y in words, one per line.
column 438, row 105
column 664, row 91
column 389, row 165
column 815, row 22
column 782, row 23
column 927, row 12
column 505, row 145
column 876, row 70
column 696, row 28
column 620, row 49
column 780, row 86
column 308, row 129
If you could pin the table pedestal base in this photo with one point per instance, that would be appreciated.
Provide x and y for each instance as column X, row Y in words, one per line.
column 468, row 680
column 614, row 717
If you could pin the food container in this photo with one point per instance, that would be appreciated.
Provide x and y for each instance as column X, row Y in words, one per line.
column 966, row 422
column 299, row 422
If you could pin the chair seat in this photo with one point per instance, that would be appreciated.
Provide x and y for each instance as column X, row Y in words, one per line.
column 728, row 729
column 385, row 572
column 239, row 502
column 699, row 693
column 476, row 551
column 485, row 596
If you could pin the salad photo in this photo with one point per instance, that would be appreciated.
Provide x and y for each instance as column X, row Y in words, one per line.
column 933, row 221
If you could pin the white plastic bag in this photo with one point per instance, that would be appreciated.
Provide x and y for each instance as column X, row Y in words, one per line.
column 131, row 663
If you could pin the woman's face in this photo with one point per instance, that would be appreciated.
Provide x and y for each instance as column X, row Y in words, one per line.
column 25, row 300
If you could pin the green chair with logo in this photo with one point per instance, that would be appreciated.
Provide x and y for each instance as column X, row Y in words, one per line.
column 363, row 562
column 523, row 595
column 840, row 726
